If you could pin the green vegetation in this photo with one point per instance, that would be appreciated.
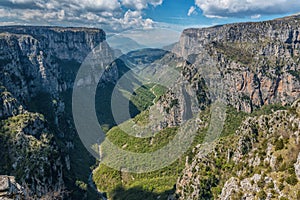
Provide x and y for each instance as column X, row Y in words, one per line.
column 235, row 52
column 158, row 91
column 292, row 179
column 141, row 145
column 146, row 95
column 268, row 109
column 262, row 195
column 155, row 183
column 142, row 118
column 233, row 121
column 25, row 150
column 143, row 98
column 296, row 74
column 81, row 185
column 279, row 144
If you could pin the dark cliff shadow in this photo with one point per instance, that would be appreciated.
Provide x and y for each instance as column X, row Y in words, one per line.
column 103, row 98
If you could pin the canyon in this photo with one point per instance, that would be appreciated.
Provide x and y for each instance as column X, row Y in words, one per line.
column 253, row 68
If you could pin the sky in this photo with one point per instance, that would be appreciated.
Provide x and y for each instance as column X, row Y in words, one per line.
column 142, row 20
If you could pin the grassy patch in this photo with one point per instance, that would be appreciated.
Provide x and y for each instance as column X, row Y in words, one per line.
column 233, row 121
column 142, row 97
column 141, row 145
column 268, row 109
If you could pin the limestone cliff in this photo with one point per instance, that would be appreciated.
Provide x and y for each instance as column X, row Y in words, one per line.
column 43, row 58
column 258, row 62
column 38, row 66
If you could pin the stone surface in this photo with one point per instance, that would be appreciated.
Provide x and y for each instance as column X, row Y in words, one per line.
column 253, row 148
column 10, row 189
column 297, row 167
column 258, row 62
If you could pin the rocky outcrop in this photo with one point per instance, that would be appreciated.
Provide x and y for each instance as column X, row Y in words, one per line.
column 9, row 106
column 10, row 189
column 297, row 167
column 31, row 154
column 258, row 62
column 260, row 161
column 248, row 188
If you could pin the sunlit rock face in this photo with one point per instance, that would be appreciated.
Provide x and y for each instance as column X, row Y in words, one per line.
column 258, row 62
column 35, row 59
column 259, row 65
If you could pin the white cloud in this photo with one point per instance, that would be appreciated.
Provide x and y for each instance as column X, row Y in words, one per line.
column 256, row 16
column 192, row 11
column 135, row 4
column 135, row 19
column 79, row 4
column 140, row 4
column 148, row 24
column 106, row 14
column 21, row 1
column 98, row 4
column 242, row 8
column 155, row 2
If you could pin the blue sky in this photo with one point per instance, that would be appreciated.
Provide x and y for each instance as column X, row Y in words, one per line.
column 138, row 17
column 177, row 13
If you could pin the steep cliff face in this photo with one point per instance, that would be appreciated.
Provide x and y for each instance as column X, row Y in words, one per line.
column 44, row 59
column 63, row 43
column 38, row 67
column 258, row 62
column 247, row 65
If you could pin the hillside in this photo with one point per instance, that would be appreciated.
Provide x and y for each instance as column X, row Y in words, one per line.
column 259, row 161
column 252, row 68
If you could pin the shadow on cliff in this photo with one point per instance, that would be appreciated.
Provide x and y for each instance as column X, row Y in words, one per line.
column 104, row 98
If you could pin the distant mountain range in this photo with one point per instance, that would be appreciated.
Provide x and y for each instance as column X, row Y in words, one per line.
column 124, row 44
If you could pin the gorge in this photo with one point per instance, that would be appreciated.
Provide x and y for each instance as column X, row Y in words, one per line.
column 253, row 67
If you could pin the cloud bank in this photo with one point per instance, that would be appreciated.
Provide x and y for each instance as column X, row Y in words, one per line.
column 245, row 8
column 140, row 4
column 112, row 15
